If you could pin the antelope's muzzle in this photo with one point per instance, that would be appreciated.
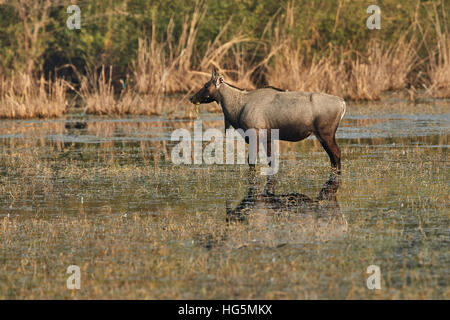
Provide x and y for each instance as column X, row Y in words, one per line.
column 193, row 100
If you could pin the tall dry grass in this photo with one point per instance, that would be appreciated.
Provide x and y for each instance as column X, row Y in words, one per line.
column 187, row 70
column 352, row 75
column 356, row 76
column 381, row 68
column 150, row 73
column 97, row 92
column 439, row 72
column 439, row 58
column 363, row 75
column 168, row 65
column 22, row 96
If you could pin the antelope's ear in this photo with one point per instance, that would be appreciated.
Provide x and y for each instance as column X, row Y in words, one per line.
column 219, row 81
column 214, row 74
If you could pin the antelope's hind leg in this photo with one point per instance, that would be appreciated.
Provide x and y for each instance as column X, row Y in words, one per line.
column 328, row 142
column 253, row 151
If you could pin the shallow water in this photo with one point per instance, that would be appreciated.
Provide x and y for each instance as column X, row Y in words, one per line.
column 302, row 234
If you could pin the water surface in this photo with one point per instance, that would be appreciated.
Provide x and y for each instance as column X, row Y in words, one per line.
column 103, row 194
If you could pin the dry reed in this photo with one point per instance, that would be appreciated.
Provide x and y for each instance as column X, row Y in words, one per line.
column 165, row 67
column 169, row 65
column 439, row 59
column 381, row 69
column 149, row 73
column 21, row 96
column 186, row 71
column 97, row 92
column 356, row 76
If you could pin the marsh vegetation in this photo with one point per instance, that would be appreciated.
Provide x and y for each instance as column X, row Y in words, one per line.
column 102, row 194
column 86, row 176
column 129, row 56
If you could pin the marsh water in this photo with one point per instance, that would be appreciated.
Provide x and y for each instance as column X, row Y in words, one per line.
column 104, row 194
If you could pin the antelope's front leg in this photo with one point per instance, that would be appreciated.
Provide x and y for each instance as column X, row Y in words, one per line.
column 253, row 149
column 227, row 124
column 254, row 145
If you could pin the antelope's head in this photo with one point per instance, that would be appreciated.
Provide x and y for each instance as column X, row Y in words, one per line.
column 210, row 90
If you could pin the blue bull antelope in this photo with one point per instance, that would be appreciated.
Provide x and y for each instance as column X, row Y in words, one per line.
column 295, row 114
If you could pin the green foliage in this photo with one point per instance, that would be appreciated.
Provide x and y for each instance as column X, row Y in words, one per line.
column 111, row 29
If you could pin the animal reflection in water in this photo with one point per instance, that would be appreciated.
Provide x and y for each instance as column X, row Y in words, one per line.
column 325, row 204
column 265, row 218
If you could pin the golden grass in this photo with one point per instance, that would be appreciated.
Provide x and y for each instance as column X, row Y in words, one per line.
column 439, row 66
column 150, row 74
column 352, row 75
column 22, row 96
column 97, row 92
column 382, row 68
column 166, row 66
column 186, row 71
column 440, row 76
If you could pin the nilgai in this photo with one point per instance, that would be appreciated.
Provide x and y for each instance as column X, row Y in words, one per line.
column 325, row 204
column 296, row 114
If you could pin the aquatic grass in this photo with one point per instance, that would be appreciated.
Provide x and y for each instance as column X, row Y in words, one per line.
column 97, row 92
column 147, row 229
column 23, row 97
column 172, row 66
column 439, row 66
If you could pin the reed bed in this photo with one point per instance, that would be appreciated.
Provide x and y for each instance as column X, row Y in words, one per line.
column 439, row 59
column 185, row 69
column 22, row 96
column 440, row 76
column 343, row 72
column 167, row 67
column 354, row 75
column 176, row 63
column 97, row 92
column 383, row 68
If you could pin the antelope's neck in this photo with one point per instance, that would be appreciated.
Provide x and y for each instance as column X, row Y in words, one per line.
column 232, row 101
